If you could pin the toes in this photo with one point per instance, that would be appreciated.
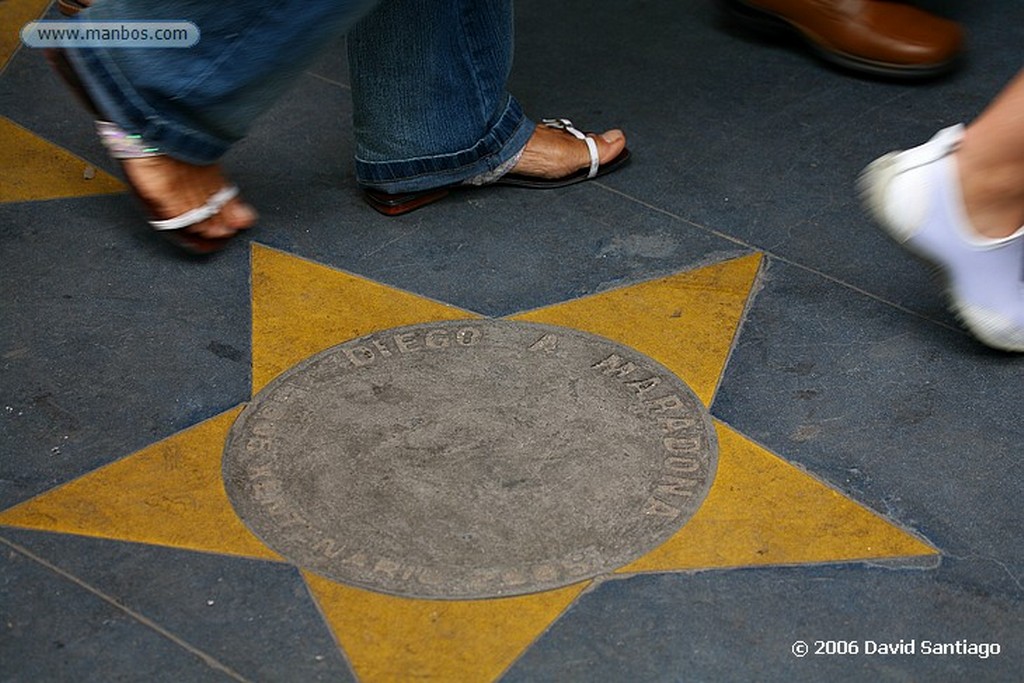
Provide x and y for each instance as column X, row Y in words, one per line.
column 552, row 153
column 213, row 228
column 610, row 144
column 238, row 215
column 234, row 217
column 171, row 188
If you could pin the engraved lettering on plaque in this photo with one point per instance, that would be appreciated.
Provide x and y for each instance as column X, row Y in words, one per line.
column 470, row 459
column 547, row 343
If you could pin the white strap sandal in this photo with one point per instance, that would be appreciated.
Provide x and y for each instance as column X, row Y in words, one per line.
column 398, row 204
column 595, row 170
column 121, row 146
column 566, row 125
column 199, row 214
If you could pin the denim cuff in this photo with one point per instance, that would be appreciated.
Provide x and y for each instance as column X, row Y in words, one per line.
column 499, row 144
column 123, row 105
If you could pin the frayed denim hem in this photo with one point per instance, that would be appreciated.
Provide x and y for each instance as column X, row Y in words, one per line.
column 503, row 141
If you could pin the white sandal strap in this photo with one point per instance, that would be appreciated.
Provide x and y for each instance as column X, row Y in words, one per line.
column 595, row 160
column 199, row 214
column 566, row 125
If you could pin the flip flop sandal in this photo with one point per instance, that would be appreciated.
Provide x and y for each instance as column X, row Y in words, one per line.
column 401, row 203
column 122, row 146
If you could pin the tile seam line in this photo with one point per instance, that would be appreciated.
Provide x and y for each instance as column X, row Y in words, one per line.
column 782, row 259
column 331, row 81
column 207, row 659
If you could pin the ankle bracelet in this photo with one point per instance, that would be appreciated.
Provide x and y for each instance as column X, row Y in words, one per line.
column 122, row 145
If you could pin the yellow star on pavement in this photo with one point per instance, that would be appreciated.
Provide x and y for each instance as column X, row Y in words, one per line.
column 33, row 168
column 761, row 510
column 13, row 15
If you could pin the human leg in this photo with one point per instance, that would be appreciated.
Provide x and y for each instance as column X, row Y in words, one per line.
column 430, row 106
column 192, row 105
column 431, row 109
column 991, row 159
column 958, row 200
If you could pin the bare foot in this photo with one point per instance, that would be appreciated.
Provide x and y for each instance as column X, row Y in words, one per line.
column 553, row 153
column 170, row 188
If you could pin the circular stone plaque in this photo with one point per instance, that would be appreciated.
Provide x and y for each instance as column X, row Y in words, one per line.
column 470, row 459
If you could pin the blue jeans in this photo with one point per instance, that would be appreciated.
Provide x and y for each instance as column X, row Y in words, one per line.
column 428, row 80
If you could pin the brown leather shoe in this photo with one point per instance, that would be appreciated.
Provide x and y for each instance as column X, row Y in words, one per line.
column 877, row 37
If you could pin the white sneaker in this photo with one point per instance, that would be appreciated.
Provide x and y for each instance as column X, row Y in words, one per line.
column 915, row 195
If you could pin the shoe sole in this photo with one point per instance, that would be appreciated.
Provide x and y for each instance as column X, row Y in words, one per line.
column 399, row 204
